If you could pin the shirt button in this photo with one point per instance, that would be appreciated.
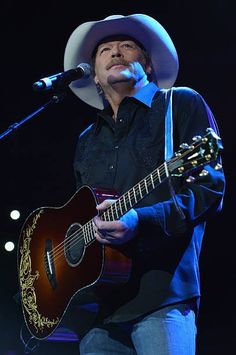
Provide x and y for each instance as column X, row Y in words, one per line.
column 111, row 167
column 121, row 120
column 116, row 147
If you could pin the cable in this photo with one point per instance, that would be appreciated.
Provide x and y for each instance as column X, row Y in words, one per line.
column 28, row 348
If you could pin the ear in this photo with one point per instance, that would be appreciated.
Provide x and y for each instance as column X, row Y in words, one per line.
column 96, row 80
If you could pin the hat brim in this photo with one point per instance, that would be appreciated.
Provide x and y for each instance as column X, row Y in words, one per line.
column 149, row 32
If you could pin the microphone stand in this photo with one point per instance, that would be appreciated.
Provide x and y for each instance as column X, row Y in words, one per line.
column 57, row 97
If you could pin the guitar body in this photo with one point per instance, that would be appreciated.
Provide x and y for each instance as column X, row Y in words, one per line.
column 55, row 263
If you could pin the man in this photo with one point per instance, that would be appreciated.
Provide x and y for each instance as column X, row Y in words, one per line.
column 140, row 124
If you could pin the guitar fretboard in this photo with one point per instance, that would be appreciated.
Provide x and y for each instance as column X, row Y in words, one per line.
column 128, row 200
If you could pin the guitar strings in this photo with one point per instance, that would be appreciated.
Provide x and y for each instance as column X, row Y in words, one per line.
column 75, row 237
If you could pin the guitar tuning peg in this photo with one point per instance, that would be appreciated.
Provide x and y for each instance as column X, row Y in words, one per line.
column 197, row 138
column 218, row 166
column 209, row 129
column 184, row 146
column 204, row 172
column 190, row 179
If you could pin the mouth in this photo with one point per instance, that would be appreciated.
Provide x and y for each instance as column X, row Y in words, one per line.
column 117, row 65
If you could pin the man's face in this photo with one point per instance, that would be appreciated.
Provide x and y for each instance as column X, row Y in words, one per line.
column 118, row 61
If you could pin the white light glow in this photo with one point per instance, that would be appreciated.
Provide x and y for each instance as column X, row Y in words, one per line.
column 9, row 246
column 15, row 214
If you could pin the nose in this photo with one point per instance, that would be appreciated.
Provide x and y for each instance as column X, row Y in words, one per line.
column 116, row 52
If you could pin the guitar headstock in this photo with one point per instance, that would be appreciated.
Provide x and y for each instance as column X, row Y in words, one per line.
column 203, row 150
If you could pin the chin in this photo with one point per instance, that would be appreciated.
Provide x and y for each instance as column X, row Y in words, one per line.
column 119, row 78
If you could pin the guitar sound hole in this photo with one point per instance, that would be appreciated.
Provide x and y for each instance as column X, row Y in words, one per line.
column 74, row 244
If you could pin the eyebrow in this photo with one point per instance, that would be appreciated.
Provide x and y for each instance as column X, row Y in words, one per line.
column 110, row 42
column 116, row 38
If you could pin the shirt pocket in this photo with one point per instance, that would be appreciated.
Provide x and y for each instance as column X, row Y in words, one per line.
column 148, row 154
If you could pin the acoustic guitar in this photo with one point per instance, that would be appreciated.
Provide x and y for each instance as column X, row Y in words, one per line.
column 59, row 257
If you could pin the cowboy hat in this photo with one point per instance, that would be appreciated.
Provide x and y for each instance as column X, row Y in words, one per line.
column 146, row 30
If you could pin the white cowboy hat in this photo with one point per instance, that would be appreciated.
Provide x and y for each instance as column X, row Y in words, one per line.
column 143, row 28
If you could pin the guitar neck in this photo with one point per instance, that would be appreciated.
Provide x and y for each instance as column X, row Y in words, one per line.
column 127, row 201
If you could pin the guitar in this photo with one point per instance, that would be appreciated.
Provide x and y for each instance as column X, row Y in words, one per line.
column 58, row 255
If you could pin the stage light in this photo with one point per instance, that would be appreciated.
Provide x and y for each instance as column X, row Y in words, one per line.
column 15, row 214
column 9, row 246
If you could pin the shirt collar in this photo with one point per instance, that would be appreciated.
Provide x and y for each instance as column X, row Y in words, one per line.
column 146, row 94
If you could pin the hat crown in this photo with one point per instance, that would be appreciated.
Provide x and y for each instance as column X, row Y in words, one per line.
column 113, row 17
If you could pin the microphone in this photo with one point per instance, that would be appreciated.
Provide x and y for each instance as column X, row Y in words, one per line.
column 83, row 70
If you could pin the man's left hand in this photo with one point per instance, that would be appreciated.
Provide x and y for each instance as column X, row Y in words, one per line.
column 115, row 232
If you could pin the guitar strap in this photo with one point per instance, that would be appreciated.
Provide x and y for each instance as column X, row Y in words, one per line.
column 169, row 150
column 168, row 124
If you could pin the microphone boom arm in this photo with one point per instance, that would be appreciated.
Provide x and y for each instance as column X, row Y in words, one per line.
column 55, row 99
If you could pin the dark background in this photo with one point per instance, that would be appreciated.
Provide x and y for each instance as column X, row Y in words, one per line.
column 36, row 161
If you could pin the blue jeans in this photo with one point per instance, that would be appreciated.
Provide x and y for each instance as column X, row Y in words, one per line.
column 169, row 331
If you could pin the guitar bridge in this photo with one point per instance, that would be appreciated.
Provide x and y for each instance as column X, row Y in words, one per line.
column 49, row 264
